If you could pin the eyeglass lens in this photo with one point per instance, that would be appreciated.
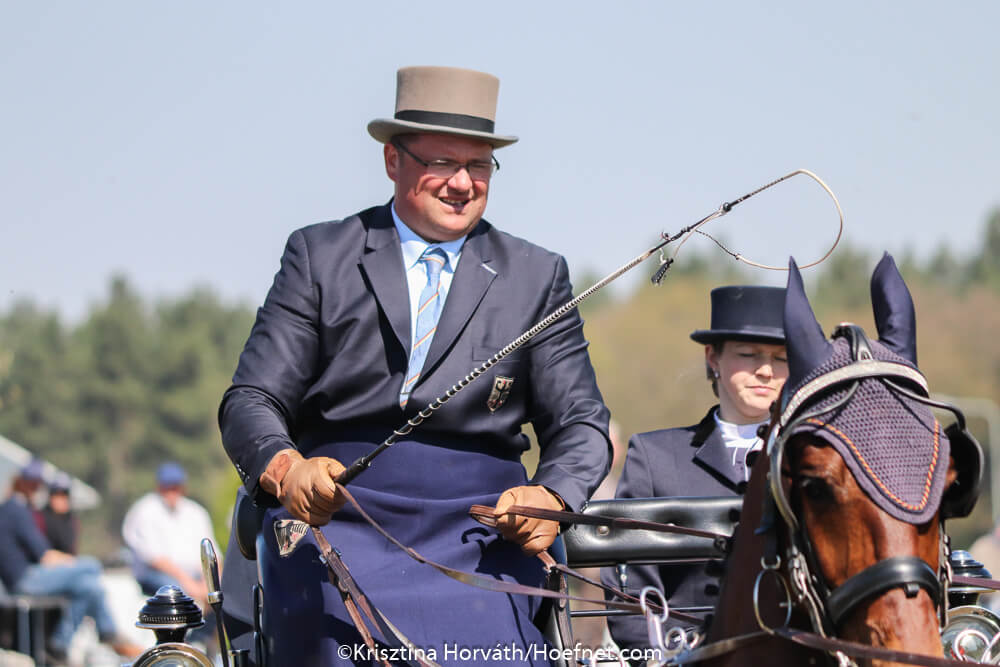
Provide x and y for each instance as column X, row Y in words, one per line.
column 479, row 170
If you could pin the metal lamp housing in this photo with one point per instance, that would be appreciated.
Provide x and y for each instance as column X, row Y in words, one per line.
column 173, row 654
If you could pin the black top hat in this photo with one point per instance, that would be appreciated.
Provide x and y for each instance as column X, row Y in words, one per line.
column 745, row 312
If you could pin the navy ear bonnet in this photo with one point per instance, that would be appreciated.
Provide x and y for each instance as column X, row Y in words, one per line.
column 852, row 393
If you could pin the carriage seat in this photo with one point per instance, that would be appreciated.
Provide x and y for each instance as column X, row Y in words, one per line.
column 595, row 546
column 603, row 546
column 248, row 518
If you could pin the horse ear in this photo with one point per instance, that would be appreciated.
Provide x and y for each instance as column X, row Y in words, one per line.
column 892, row 306
column 804, row 339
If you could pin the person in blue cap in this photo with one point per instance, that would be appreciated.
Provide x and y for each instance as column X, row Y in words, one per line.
column 163, row 531
column 746, row 363
column 29, row 565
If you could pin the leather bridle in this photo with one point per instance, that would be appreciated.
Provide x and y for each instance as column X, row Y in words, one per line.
column 801, row 577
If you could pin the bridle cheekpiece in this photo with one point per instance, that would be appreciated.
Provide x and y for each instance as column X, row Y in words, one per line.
column 802, row 578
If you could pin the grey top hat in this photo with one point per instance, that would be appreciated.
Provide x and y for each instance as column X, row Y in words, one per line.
column 443, row 100
column 745, row 312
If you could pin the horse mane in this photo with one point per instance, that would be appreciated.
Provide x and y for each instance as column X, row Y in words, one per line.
column 734, row 614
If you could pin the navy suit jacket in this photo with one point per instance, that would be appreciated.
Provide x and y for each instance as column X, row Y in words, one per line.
column 326, row 358
column 327, row 355
column 689, row 461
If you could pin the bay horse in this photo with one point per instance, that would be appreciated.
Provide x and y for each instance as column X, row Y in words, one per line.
column 842, row 529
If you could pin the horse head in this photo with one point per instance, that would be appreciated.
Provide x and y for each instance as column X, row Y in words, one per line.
column 857, row 479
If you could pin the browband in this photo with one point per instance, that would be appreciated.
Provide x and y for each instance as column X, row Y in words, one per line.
column 854, row 371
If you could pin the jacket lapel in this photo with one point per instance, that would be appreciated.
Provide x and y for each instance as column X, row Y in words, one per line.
column 382, row 263
column 714, row 455
column 468, row 287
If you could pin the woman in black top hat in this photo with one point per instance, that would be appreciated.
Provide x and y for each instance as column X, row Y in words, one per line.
column 746, row 363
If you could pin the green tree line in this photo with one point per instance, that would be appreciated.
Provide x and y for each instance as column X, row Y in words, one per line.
column 137, row 381
column 131, row 386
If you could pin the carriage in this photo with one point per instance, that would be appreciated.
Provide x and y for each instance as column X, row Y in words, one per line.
column 972, row 631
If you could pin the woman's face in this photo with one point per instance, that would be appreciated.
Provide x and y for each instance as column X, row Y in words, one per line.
column 750, row 376
column 59, row 502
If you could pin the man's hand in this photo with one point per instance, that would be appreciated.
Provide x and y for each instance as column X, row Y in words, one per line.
column 534, row 535
column 53, row 558
column 307, row 489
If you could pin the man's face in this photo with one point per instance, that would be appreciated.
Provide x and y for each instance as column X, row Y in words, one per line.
column 171, row 494
column 436, row 208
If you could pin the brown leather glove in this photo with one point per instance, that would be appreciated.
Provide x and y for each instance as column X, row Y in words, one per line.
column 534, row 535
column 305, row 487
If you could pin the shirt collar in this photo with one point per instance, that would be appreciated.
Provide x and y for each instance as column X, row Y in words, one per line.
column 413, row 246
column 737, row 435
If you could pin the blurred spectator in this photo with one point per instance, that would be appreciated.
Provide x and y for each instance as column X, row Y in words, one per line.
column 30, row 566
column 58, row 521
column 163, row 530
column 986, row 549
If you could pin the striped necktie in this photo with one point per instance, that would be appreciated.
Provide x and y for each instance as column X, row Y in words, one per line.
column 428, row 312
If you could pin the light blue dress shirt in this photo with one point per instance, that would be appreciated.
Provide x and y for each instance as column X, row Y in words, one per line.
column 416, row 273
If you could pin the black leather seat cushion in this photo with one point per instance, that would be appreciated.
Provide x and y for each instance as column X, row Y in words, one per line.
column 600, row 546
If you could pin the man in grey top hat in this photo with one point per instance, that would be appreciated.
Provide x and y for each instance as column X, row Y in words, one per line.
column 369, row 319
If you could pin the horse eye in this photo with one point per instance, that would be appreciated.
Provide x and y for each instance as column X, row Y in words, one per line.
column 816, row 489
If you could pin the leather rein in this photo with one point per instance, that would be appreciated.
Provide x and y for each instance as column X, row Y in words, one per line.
column 899, row 572
column 874, row 579
column 363, row 613
column 339, row 574
column 361, row 610
column 826, row 608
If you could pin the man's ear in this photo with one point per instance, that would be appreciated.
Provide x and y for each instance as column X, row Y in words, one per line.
column 391, row 156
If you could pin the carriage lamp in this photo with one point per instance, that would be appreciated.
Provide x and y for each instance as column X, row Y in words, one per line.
column 963, row 564
column 170, row 614
column 972, row 632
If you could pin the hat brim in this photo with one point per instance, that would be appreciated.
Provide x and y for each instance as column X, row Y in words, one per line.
column 708, row 336
column 384, row 129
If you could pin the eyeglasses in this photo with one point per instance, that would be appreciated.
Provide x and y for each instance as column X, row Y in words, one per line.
column 479, row 170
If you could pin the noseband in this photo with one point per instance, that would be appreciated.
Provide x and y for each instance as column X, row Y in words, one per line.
column 829, row 607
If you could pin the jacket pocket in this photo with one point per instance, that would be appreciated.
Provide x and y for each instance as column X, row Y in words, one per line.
column 482, row 353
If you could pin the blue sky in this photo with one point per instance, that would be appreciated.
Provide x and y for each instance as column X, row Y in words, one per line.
column 180, row 143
